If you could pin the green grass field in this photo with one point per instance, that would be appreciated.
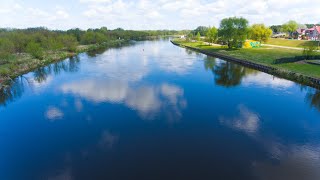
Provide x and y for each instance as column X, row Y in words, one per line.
column 263, row 55
column 291, row 42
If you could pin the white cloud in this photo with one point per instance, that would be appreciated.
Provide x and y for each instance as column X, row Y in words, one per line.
column 95, row 1
column 62, row 14
column 158, row 14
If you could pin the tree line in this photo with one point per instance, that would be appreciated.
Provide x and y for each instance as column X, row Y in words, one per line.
column 36, row 41
column 232, row 32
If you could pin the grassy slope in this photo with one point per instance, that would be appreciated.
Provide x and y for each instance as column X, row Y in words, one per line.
column 291, row 42
column 22, row 63
column 264, row 55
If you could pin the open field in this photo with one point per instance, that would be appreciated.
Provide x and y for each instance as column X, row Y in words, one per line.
column 291, row 42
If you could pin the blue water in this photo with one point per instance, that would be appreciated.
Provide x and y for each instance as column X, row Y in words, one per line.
column 153, row 110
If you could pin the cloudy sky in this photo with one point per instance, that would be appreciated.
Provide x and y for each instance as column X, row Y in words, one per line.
column 147, row 14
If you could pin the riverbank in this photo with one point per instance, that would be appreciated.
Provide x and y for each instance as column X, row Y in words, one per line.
column 263, row 59
column 22, row 63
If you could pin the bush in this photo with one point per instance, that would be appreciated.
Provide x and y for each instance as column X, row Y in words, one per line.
column 91, row 37
column 309, row 52
column 52, row 43
column 6, row 49
column 69, row 42
column 35, row 50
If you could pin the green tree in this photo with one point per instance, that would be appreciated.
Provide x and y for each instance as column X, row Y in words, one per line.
column 69, row 42
column 201, row 29
column 100, row 37
column 260, row 32
column 189, row 36
column 198, row 36
column 76, row 33
column 88, row 38
column 233, row 31
column 212, row 34
column 276, row 29
column 52, row 43
column 290, row 27
column 35, row 49
column 6, row 49
column 20, row 40
column 91, row 37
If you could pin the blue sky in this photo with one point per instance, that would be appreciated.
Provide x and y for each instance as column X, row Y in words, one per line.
column 156, row 14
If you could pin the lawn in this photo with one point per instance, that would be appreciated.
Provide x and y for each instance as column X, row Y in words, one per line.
column 291, row 42
column 263, row 55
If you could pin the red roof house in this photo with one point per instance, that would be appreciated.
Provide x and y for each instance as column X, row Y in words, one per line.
column 313, row 33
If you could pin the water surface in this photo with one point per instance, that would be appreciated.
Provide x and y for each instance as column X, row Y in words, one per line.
column 153, row 110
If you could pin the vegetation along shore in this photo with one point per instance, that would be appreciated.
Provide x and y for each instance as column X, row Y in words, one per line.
column 23, row 50
column 253, row 46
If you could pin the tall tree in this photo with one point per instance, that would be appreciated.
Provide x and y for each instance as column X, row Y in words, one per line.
column 201, row 29
column 290, row 27
column 260, row 32
column 189, row 36
column 212, row 34
column 233, row 31
column 198, row 36
column 276, row 29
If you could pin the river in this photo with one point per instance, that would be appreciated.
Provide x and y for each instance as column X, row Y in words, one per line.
column 153, row 110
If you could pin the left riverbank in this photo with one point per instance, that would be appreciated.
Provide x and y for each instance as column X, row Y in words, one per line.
column 22, row 63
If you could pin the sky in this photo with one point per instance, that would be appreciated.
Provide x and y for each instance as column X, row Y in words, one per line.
column 151, row 14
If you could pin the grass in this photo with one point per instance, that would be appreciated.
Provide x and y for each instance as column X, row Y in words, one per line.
column 22, row 63
column 305, row 69
column 291, row 42
column 263, row 55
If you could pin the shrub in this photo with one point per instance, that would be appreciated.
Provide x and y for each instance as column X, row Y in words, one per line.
column 6, row 49
column 69, row 42
column 309, row 52
column 35, row 50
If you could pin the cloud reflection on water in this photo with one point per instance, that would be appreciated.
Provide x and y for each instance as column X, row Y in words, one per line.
column 247, row 121
column 54, row 113
column 266, row 80
column 107, row 140
column 146, row 99
column 286, row 160
column 294, row 162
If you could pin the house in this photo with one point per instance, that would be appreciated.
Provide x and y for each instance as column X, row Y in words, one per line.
column 313, row 33
column 299, row 33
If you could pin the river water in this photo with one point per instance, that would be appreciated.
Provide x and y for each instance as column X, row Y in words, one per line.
column 153, row 110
